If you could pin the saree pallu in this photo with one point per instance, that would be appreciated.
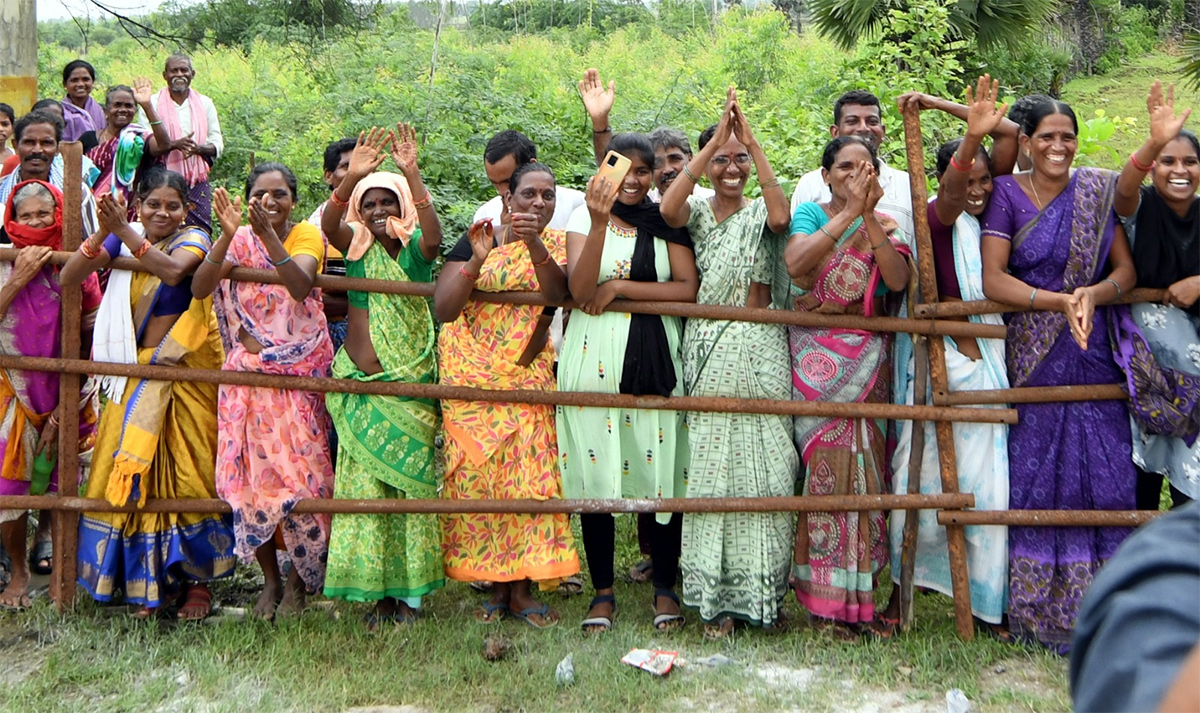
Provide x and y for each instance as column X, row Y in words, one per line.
column 736, row 564
column 273, row 444
column 980, row 450
column 1173, row 337
column 502, row 451
column 158, row 441
column 386, row 450
column 27, row 398
column 119, row 162
column 838, row 555
column 1063, row 456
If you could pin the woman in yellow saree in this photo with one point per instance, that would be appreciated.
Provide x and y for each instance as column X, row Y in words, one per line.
column 157, row 439
column 504, row 450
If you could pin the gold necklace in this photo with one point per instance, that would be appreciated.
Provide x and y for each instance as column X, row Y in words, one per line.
column 1037, row 199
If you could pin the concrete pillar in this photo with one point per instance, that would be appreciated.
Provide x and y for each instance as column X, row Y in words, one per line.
column 18, row 54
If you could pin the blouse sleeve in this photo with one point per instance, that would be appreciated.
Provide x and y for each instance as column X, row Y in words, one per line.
column 580, row 221
column 998, row 219
column 305, row 239
column 808, row 219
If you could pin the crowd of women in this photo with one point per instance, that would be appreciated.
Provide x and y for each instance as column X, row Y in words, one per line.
column 1059, row 245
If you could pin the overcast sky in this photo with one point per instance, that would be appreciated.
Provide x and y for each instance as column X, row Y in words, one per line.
column 63, row 9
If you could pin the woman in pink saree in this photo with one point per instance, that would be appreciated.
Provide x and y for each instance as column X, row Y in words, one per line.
column 273, row 444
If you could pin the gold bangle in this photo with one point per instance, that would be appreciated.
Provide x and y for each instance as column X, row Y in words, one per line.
column 829, row 234
column 425, row 202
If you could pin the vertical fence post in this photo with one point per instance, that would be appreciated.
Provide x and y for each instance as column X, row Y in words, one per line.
column 937, row 369
column 66, row 523
column 912, row 519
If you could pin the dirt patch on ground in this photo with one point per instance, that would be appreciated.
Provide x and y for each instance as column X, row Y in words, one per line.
column 20, row 655
column 1017, row 675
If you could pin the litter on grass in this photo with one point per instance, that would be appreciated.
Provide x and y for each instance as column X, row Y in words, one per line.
column 658, row 663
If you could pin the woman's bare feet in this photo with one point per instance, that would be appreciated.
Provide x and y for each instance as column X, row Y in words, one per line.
column 269, row 600
column 15, row 596
column 294, row 600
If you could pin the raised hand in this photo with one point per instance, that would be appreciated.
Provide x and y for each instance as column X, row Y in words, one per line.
column 597, row 101
column 142, row 91
column 260, row 219
column 404, row 148
column 874, row 190
column 858, row 188
column 229, row 212
column 920, row 100
column 482, row 237
column 1164, row 122
column 369, row 152
column 30, row 261
column 600, row 196
column 112, row 213
column 741, row 127
column 725, row 125
column 983, row 116
column 524, row 227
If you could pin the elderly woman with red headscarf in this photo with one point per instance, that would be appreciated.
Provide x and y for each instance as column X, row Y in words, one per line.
column 30, row 301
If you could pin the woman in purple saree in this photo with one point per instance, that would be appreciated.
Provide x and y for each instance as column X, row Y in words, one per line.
column 1051, row 243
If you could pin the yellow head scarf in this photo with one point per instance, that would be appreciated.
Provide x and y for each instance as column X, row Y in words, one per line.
column 400, row 228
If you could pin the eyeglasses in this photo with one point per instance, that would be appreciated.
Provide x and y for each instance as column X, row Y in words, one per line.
column 742, row 159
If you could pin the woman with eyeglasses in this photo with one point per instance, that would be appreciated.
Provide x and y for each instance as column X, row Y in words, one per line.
column 844, row 258
column 734, row 565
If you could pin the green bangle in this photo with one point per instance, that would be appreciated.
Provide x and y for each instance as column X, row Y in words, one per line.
column 688, row 173
column 282, row 262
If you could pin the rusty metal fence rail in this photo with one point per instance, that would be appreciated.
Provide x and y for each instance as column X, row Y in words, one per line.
column 930, row 320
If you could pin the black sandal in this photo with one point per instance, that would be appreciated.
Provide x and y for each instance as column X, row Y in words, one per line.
column 43, row 550
column 600, row 624
column 667, row 622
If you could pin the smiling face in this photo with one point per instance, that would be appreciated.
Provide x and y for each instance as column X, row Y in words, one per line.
column 729, row 169
column 37, row 147
column 35, row 212
column 668, row 164
column 178, row 75
column 79, row 85
column 162, row 212
column 1052, row 146
column 1176, row 173
column 862, row 121
column 272, row 190
column 379, row 204
column 845, row 164
column 637, row 181
column 6, row 130
column 120, row 110
column 536, row 195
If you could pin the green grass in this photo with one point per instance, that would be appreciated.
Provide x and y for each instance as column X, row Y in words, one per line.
column 1122, row 93
column 325, row 661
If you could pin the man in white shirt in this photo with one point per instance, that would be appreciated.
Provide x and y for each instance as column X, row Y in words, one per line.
column 37, row 135
column 190, row 119
column 857, row 113
column 507, row 150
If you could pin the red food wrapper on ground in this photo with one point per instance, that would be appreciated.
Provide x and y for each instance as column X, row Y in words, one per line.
column 658, row 663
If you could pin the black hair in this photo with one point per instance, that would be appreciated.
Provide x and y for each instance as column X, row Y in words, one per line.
column 113, row 90
column 1191, row 139
column 272, row 167
column 45, row 103
column 834, row 146
column 8, row 111
column 158, row 177
column 334, row 151
column 37, row 116
column 1021, row 107
column 77, row 64
column 706, row 136
column 524, row 170
column 854, row 96
column 630, row 144
column 510, row 143
column 1040, row 110
column 946, row 152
